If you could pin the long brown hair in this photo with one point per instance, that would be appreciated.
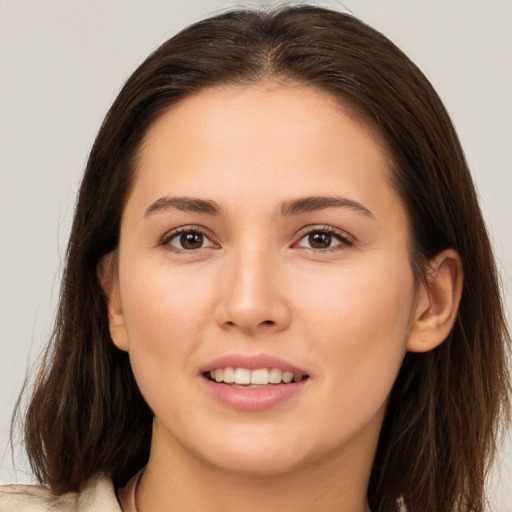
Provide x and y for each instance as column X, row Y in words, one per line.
column 86, row 415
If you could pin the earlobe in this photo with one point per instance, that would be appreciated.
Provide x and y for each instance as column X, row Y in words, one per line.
column 438, row 303
column 109, row 281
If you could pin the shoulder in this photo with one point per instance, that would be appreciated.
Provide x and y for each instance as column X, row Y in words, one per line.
column 97, row 495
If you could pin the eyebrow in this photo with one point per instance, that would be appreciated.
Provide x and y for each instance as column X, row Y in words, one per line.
column 288, row 208
column 314, row 203
column 186, row 204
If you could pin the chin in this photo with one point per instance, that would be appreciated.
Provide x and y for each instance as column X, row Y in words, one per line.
column 257, row 466
column 257, row 459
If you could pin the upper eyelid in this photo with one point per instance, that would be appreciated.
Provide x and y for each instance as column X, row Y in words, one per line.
column 325, row 228
column 187, row 228
column 300, row 234
column 168, row 235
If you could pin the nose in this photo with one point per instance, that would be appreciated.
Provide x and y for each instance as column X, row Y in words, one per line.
column 253, row 298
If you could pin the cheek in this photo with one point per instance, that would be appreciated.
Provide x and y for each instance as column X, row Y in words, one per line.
column 361, row 324
column 159, row 298
column 164, row 314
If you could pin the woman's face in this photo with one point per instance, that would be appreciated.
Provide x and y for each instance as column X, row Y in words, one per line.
column 262, row 239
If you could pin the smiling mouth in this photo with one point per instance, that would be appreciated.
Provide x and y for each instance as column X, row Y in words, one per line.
column 261, row 377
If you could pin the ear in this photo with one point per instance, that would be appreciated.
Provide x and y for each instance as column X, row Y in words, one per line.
column 108, row 277
column 438, row 302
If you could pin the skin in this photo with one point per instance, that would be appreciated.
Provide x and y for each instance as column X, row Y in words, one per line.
column 346, row 314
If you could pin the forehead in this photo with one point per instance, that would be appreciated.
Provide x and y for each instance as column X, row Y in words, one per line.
column 263, row 103
column 261, row 139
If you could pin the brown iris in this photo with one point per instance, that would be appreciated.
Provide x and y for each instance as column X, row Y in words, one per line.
column 320, row 240
column 191, row 240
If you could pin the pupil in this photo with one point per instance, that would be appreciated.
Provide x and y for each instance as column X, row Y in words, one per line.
column 320, row 240
column 191, row 240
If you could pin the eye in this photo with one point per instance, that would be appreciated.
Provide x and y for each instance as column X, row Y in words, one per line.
column 187, row 240
column 324, row 238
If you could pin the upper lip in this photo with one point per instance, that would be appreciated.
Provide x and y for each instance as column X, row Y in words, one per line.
column 251, row 362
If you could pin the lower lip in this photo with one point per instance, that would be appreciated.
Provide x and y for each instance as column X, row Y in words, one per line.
column 253, row 399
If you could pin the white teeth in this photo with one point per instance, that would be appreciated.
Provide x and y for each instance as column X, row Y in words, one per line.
column 287, row 376
column 242, row 376
column 229, row 375
column 219, row 375
column 274, row 376
column 258, row 377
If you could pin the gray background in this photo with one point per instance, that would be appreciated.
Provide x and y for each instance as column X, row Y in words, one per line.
column 62, row 63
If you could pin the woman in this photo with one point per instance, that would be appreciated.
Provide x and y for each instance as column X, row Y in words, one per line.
column 279, row 290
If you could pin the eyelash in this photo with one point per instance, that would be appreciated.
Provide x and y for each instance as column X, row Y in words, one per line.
column 176, row 233
column 345, row 240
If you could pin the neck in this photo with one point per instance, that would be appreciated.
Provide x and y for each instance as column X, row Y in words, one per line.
column 177, row 480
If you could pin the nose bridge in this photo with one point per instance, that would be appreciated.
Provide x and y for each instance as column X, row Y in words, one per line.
column 251, row 297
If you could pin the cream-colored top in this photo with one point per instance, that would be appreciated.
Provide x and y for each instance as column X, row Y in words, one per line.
column 98, row 496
